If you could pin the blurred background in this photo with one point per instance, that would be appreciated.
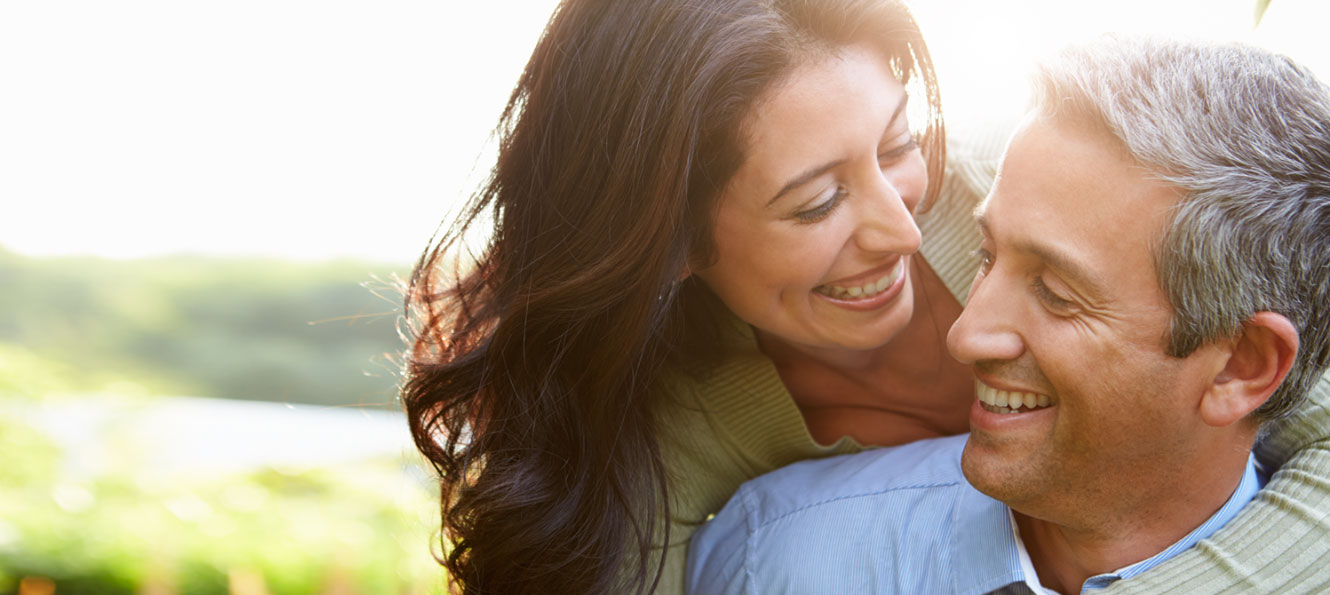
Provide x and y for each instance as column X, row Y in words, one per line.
column 208, row 209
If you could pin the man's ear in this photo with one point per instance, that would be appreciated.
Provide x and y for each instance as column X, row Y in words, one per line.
column 1261, row 357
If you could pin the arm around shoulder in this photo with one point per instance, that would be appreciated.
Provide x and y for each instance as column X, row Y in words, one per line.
column 1281, row 541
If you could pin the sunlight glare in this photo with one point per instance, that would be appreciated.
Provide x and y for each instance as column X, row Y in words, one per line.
column 311, row 129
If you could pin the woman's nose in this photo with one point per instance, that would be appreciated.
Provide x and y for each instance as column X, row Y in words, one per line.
column 887, row 225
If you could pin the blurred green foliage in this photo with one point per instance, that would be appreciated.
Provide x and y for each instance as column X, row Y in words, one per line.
column 85, row 331
column 360, row 528
column 319, row 333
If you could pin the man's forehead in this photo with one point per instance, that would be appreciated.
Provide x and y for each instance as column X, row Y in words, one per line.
column 1068, row 197
column 1075, row 173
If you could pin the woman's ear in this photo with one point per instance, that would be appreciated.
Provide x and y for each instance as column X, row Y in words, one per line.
column 696, row 261
column 1261, row 357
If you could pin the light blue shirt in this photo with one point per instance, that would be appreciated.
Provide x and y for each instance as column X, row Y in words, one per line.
column 890, row 520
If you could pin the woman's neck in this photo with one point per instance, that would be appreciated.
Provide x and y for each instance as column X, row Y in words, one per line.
column 905, row 390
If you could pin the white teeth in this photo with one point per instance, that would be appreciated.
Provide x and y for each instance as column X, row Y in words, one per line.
column 1001, row 401
column 866, row 290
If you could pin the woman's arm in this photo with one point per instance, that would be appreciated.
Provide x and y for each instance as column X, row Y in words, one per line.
column 1280, row 543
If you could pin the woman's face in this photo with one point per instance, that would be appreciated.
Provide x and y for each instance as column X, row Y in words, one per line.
column 814, row 232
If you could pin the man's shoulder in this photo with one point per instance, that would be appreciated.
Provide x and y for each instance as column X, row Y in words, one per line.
column 920, row 465
column 882, row 520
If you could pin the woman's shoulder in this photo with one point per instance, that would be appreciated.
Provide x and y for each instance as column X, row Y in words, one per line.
column 950, row 233
column 736, row 406
column 723, row 422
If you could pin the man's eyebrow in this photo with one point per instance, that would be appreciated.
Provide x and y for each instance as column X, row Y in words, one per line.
column 818, row 170
column 1059, row 260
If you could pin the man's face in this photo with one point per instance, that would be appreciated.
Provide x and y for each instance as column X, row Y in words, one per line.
column 1066, row 323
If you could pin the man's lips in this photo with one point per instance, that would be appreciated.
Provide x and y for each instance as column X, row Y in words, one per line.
column 996, row 400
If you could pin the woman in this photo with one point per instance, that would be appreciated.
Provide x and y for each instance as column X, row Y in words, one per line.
column 704, row 265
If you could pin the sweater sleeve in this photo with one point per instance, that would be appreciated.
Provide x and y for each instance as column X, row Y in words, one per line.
column 1281, row 541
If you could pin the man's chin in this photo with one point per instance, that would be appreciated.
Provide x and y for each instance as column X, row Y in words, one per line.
column 974, row 467
column 994, row 474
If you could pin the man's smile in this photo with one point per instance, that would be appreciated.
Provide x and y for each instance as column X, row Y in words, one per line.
column 1003, row 401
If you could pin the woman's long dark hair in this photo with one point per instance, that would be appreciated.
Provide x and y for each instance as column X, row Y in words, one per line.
column 527, row 382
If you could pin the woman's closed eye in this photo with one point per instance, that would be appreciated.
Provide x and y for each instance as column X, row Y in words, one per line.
column 823, row 209
column 895, row 153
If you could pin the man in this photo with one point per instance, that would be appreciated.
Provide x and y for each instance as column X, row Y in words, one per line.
column 1156, row 270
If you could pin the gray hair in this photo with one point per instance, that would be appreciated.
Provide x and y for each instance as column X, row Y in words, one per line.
column 1246, row 135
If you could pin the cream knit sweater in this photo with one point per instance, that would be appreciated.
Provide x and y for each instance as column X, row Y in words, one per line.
column 733, row 420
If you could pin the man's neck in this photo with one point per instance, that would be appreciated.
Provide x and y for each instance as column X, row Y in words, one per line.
column 1064, row 560
column 1065, row 555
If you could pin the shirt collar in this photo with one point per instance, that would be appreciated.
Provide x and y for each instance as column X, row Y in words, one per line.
column 987, row 552
column 1031, row 579
column 983, row 545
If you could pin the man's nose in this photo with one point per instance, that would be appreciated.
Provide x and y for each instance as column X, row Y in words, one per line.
column 988, row 328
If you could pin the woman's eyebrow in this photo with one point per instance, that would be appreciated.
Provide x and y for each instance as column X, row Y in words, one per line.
column 803, row 178
column 818, row 170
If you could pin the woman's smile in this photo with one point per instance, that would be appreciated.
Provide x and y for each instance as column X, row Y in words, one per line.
column 866, row 286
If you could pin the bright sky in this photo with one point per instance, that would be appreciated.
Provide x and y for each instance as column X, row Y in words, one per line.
column 321, row 128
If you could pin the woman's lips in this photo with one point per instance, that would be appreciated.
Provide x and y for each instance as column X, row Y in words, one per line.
column 866, row 290
column 874, row 293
